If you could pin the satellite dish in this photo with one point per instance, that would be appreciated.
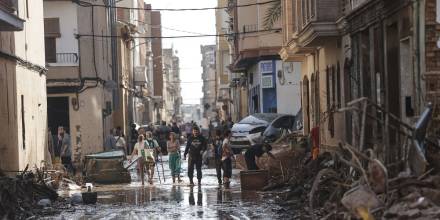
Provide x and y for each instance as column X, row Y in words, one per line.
column 110, row 85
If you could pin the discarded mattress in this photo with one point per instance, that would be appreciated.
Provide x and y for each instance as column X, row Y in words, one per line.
column 106, row 168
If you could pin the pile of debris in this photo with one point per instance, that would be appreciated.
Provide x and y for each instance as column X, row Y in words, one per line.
column 349, row 183
column 23, row 196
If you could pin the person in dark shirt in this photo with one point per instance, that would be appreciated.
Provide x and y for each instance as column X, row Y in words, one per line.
column 176, row 129
column 217, row 143
column 195, row 147
column 256, row 150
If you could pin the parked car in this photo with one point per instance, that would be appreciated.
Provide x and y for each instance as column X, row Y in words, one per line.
column 256, row 128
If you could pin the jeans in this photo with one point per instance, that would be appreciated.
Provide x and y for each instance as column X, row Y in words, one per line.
column 250, row 160
column 195, row 162
column 218, row 169
column 67, row 162
column 227, row 168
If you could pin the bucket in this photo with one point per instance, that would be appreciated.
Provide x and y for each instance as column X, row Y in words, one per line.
column 89, row 197
column 254, row 179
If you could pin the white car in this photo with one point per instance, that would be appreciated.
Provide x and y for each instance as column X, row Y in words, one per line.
column 255, row 128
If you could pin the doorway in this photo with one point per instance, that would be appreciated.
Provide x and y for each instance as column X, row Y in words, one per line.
column 58, row 113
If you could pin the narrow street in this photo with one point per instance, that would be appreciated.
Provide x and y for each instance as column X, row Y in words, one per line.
column 313, row 109
column 175, row 201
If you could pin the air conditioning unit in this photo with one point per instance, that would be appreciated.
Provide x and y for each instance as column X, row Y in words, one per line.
column 267, row 82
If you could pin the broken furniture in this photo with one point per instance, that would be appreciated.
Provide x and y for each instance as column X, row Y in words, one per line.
column 106, row 168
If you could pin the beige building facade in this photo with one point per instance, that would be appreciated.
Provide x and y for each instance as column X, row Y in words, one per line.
column 210, row 84
column 223, row 60
column 80, row 81
column 380, row 50
column 260, row 80
column 172, row 98
column 23, row 106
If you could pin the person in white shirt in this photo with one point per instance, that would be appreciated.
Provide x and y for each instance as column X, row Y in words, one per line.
column 120, row 141
column 227, row 155
column 146, row 161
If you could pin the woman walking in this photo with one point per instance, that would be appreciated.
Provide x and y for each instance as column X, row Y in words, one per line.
column 227, row 159
column 139, row 149
column 153, row 150
column 173, row 147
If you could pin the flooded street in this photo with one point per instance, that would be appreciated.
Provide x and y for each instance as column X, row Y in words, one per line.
column 176, row 201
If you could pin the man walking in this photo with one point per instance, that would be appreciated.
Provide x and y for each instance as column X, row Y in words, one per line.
column 195, row 146
column 217, row 143
column 110, row 141
column 65, row 149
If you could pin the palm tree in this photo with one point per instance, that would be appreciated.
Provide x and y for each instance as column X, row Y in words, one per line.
column 272, row 14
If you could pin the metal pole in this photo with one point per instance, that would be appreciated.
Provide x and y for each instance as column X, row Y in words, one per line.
column 158, row 174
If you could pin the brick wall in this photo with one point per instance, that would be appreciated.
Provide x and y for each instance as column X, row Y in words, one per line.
column 432, row 62
column 432, row 31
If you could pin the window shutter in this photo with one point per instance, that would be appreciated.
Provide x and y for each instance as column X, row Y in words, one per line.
column 52, row 27
column 50, row 49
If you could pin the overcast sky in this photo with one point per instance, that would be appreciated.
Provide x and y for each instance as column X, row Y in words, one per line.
column 188, row 49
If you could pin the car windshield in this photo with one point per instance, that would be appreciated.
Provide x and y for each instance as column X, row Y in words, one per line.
column 258, row 119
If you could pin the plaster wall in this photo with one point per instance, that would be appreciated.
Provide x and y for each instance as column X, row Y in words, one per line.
column 89, row 119
column 329, row 54
column 288, row 90
column 23, row 145
column 66, row 11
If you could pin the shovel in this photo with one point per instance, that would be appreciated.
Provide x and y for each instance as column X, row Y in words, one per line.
column 131, row 164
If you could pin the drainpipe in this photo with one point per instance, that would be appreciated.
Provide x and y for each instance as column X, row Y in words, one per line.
column 417, row 53
column 114, row 53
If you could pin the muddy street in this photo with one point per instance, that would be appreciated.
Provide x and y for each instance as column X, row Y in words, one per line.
column 164, row 200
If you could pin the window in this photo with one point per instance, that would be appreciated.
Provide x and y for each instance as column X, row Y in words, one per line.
column 306, row 99
column 266, row 67
column 52, row 27
column 50, row 49
column 327, row 73
column 51, row 32
column 334, row 85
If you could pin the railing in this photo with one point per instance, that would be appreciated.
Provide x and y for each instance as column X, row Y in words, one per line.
column 250, row 28
column 67, row 58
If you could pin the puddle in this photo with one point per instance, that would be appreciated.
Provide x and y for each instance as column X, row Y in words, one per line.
column 168, row 201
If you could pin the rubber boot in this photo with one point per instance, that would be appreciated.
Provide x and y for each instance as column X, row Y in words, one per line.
column 227, row 185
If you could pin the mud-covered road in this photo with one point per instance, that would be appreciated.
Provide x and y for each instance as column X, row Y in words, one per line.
column 179, row 201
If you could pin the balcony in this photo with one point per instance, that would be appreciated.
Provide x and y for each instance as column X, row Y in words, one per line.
column 317, row 20
column 62, row 66
column 62, row 59
column 9, row 21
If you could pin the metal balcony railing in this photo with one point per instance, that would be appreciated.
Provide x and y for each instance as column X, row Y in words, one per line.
column 66, row 58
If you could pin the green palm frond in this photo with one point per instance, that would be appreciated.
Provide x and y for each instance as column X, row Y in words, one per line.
column 272, row 14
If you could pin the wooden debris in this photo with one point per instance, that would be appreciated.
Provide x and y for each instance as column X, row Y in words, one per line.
column 19, row 195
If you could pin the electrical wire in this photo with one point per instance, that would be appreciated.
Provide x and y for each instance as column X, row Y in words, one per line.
column 168, row 28
column 275, row 30
column 87, row 4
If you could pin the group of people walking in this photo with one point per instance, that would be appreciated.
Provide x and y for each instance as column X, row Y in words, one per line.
column 115, row 140
column 223, row 156
column 148, row 152
column 60, row 148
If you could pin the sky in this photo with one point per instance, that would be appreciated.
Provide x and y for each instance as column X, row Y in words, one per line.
column 188, row 49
